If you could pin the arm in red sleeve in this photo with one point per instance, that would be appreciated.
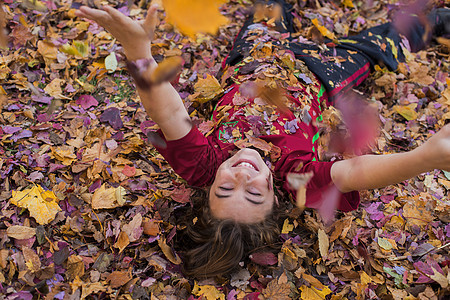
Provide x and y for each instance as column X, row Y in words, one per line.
column 193, row 157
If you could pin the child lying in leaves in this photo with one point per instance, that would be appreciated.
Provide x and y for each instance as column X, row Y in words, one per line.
column 239, row 214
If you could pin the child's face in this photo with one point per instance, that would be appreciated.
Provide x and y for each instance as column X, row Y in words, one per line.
column 242, row 189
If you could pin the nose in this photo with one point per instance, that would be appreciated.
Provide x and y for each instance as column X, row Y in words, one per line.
column 242, row 175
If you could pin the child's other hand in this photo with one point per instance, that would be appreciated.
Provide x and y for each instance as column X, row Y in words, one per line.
column 135, row 36
column 436, row 151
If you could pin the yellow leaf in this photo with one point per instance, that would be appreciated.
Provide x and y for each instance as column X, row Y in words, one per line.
column 408, row 112
column 348, row 3
column 43, row 205
column 47, row 50
column 384, row 243
column 311, row 293
column 324, row 243
column 65, row 154
column 78, row 48
column 195, row 16
column 287, row 227
column 54, row 88
column 208, row 88
column 208, row 291
column 108, row 197
column 323, row 30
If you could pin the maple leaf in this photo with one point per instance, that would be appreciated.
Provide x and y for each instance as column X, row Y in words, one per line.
column 207, row 88
column 195, row 16
column 208, row 291
column 311, row 293
column 276, row 290
column 42, row 205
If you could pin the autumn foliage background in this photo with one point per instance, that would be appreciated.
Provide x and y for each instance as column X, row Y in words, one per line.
column 90, row 210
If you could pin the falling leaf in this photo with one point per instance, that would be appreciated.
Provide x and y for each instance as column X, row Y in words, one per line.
column 208, row 291
column 208, row 89
column 42, row 205
column 20, row 232
column 298, row 182
column 195, row 16
column 34, row 5
column 167, row 70
column 348, row 3
column 324, row 243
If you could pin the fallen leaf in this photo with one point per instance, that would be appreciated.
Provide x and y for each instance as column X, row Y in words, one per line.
column 169, row 252
column 105, row 197
column 275, row 290
column 42, row 205
column 311, row 293
column 208, row 89
column 264, row 258
column 118, row 278
column 287, row 227
column 407, row 111
column 208, row 291
column 324, row 243
column 20, row 232
column 122, row 241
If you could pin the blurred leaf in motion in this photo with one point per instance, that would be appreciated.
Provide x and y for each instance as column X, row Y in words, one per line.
column 195, row 16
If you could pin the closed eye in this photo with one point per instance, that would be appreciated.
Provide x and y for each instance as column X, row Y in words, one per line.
column 225, row 188
column 254, row 194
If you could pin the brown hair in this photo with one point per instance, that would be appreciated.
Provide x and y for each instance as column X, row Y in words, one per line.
column 217, row 246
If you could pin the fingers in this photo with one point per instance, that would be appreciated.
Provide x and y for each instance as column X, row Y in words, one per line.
column 151, row 20
column 96, row 15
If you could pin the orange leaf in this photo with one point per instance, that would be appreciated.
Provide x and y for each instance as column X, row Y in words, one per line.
column 195, row 16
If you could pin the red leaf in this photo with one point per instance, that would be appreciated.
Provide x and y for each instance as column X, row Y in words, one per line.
column 129, row 171
column 264, row 258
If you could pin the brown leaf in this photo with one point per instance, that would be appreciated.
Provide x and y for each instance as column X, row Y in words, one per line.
column 75, row 267
column 167, row 70
column 122, row 241
column 274, row 290
column 20, row 232
column 208, row 89
column 169, row 252
column 151, row 227
column 118, row 278
column 324, row 243
column 32, row 260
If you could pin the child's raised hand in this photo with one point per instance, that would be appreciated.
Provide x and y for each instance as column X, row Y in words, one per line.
column 135, row 36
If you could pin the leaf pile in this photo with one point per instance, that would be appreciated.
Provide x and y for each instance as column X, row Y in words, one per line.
column 90, row 210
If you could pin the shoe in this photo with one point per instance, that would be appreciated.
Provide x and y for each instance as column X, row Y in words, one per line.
column 440, row 22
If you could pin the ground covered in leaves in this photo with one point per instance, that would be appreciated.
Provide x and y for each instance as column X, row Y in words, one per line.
column 89, row 208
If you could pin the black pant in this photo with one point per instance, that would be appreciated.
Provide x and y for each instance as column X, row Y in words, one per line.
column 348, row 62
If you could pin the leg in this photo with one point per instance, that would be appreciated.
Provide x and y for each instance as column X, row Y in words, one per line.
column 347, row 64
column 284, row 24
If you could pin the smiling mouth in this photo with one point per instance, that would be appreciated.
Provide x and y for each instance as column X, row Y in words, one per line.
column 246, row 164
